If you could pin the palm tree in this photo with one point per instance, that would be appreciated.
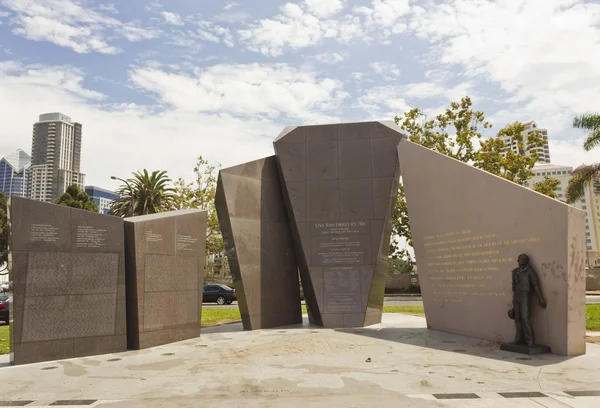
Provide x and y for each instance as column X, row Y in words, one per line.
column 585, row 174
column 143, row 194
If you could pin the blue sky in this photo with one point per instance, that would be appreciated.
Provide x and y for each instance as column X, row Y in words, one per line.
column 157, row 83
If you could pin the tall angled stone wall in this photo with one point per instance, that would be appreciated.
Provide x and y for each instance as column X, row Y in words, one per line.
column 165, row 276
column 468, row 227
column 258, row 241
column 340, row 184
column 68, row 274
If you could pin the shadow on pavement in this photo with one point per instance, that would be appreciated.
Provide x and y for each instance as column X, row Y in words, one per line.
column 452, row 343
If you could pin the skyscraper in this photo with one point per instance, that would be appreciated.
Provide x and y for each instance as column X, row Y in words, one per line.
column 14, row 173
column 55, row 157
column 542, row 151
column 102, row 197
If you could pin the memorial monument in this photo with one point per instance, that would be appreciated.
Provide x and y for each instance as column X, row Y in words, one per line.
column 468, row 226
column 165, row 261
column 257, row 237
column 68, row 274
column 339, row 185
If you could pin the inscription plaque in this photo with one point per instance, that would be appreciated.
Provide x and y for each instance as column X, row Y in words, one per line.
column 186, row 242
column 342, row 289
column 152, row 236
column 90, row 237
column 43, row 233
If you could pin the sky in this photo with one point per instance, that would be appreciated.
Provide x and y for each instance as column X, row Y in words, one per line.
column 158, row 83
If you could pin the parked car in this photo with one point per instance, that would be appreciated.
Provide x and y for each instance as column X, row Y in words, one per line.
column 4, row 304
column 220, row 294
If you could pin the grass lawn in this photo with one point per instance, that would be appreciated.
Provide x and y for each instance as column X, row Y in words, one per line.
column 4, row 333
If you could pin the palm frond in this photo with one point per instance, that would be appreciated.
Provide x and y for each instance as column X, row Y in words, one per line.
column 592, row 141
column 577, row 184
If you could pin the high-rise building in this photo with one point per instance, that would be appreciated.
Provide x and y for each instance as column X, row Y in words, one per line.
column 542, row 151
column 590, row 203
column 55, row 157
column 102, row 197
column 14, row 173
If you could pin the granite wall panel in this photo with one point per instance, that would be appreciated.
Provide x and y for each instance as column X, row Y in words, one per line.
column 339, row 185
column 258, row 241
column 165, row 260
column 68, row 273
column 468, row 227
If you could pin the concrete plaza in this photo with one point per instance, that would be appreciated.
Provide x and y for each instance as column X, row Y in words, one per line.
column 399, row 363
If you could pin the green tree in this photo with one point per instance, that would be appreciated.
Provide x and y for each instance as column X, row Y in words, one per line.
column 75, row 198
column 4, row 234
column 144, row 193
column 201, row 194
column 457, row 133
column 547, row 187
column 576, row 187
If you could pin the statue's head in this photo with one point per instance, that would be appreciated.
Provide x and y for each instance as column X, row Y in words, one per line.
column 523, row 260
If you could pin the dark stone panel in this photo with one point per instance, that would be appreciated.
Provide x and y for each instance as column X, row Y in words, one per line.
column 322, row 200
column 353, row 162
column 530, row 394
column 457, row 396
column 69, row 282
column 356, row 199
column 292, row 159
column 40, row 227
column 583, row 393
column 384, row 156
column 165, row 276
column 291, row 134
column 323, row 160
column 358, row 130
column 324, row 133
column 259, row 244
column 340, row 216
column 72, row 402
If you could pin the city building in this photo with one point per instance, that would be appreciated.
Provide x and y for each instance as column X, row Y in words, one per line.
column 14, row 173
column 590, row 203
column 55, row 157
column 542, row 151
column 102, row 197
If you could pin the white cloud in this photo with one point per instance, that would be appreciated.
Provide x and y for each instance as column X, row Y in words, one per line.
column 549, row 64
column 209, row 31
column 109, row 8
column 231, row 5
column 258, row 90
column 68, row 24
column 309, row 23
column 295, row 27
column 172, row 18
column 324, row 8
column 227, row 113
column 382, row 102
column 330, row 57
column 385, row 70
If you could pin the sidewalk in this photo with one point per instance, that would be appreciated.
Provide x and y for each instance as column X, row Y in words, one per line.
column 399, row 363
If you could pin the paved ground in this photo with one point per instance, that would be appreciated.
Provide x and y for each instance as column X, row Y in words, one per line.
column 401, row 301
column 396, row 364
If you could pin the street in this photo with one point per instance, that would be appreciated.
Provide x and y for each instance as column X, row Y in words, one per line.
column 400, row 301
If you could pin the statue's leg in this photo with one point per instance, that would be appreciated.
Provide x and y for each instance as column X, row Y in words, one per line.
column 527, row 328
column 518, row 323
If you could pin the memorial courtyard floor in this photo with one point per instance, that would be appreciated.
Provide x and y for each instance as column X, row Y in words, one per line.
column 398, row 363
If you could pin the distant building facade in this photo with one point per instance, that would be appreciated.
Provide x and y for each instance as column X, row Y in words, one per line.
column 55, row 157
column 14, row 173
column 542, row 151
column 102, row 197
column 590, row 203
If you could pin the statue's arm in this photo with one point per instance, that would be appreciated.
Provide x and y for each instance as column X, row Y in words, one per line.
column 536, row 286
